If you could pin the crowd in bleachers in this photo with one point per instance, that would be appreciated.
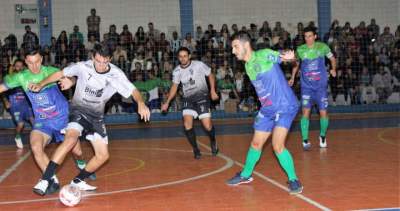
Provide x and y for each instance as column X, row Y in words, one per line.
column 367, row 72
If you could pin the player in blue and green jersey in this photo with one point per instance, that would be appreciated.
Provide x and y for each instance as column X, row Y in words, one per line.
column 314, row 83
column 279, row 107
column 18, row 105
column 49, row 106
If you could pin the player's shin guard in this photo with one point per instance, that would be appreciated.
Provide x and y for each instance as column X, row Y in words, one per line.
column 304, row 124
column 50, row 170
column 213, row 142
column 83, row 174
column 191, row 136
column 286, row 161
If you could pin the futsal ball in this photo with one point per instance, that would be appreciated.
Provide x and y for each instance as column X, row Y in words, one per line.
column 70, row 195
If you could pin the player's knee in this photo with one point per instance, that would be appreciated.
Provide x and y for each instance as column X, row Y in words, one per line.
column 77, row 151
column 70, row 142
column 208, row 127
column 37, row 149
column 256, row 145
column 278, row 148
column 103, row 156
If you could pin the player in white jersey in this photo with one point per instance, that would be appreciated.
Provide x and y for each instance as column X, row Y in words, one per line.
column 196, row 99
column 97, row 81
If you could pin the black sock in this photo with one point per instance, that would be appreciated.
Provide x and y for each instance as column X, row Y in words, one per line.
column 50, row 170
column 191, row 136
column 211, row 134
column 82, row 175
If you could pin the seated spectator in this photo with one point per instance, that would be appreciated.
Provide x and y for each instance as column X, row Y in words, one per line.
column 226, row 88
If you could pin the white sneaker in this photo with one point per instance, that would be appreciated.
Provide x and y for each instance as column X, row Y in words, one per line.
column 322, row 142
column 306, row 146
column 18, row 143
column 54, row 177
column 41, row 187
column 82, row 185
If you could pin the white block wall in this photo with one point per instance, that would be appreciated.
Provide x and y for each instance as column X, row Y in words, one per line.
column 289, row 12
column 163, row 13
column 386, row 12
column 7, row 19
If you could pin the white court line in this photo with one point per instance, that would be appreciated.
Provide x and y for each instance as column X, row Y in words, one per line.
column 229, row 164
column 10, row 170
column 376, row 209
column 275, row 183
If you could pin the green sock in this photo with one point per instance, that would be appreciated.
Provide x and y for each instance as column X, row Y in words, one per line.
column 252, row 158
column 286, row 161
column 81, row 164
column 304, row 124
column 18, row 136
column 324, row 122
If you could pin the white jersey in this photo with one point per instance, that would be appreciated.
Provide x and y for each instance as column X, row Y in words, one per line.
column 94, row 89
column 193, row 79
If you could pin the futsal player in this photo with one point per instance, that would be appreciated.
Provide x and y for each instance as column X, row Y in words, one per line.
column 97, row 81
column 314, row 83
column 196, row 97
column 279, row 107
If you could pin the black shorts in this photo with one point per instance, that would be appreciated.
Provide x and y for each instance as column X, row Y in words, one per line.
column 197, row 108
column 88, row 124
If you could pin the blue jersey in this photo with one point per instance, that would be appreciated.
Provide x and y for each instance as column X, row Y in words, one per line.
column 313, row 71
column 49, row 103
column 271, row 86
column 17, row 98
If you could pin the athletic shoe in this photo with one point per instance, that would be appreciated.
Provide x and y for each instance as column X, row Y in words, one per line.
column 82, row 185
column 81, row 164
column 18, row 142
column 41, row 187
column 214, row 148
column 197, row 154
column 238, row 179
column 295, row 187
column 306, row 145
column 322, row 142
column 54, row 185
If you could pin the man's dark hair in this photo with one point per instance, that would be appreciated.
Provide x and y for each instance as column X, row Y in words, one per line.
column 184, row 49
column 242, row 36
column 310, row 29
column 102, row 50
column 19, row 60
column 31, row 50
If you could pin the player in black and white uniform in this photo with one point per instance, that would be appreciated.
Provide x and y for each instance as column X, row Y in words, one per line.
column 196, row 97
column 97, row 81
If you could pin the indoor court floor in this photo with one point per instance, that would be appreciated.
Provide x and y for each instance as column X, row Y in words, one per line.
column 151, row 167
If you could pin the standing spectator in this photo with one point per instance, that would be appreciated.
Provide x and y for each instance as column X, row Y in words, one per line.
column 30, row 38
column 152, row 32
column 175, row 44
column 77, row 34
column 140, row 36
column 387, row 38
column 189, row 43
column 162, row 45
column 199, row 34
column 265, row 29
column 62, row 39
column 126, row 40
column 112, row 37
column 93, row 24
column 374, row 28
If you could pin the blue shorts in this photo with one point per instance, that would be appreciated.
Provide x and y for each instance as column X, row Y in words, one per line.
column 52, row 127
column 309, row 97
column 267, row 122
column 21, row 114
